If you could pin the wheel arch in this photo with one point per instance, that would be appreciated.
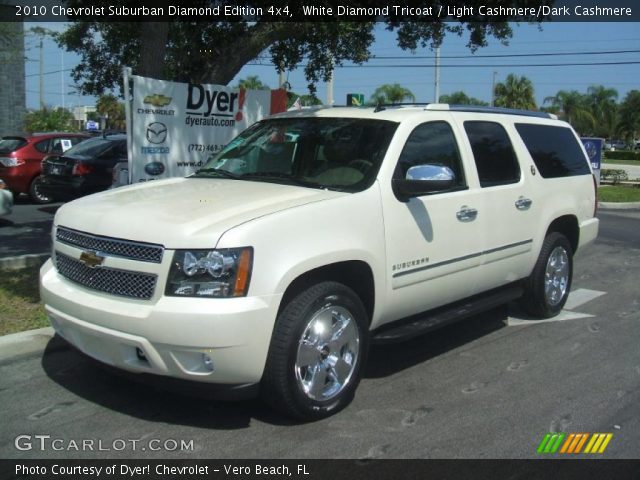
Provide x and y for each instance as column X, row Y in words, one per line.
column 567, row 225
column 355, row 274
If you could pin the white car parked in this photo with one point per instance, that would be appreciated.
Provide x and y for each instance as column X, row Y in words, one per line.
column 6, row 199
column 316, row 232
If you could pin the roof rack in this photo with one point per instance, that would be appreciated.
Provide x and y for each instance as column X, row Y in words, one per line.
column 469, row 108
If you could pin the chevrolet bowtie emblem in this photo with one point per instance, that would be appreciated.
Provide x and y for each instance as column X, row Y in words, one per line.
column 91, row 259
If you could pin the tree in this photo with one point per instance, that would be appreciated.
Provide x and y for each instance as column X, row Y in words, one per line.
column 604, row 109
column 392, row 93
column 215, row 51
column 305, row 100
column 515, row 92
column 461, row 98
column 252, row 82
column 629, row 126
column 49, row 120
column 573, row 107
column 109, row 106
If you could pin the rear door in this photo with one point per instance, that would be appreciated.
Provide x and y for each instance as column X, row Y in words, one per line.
column 508, row 202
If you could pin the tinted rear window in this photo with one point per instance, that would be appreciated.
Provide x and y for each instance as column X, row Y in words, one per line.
column 495, row 158
column 554, row 150
column 11, row 144
column 91, row 148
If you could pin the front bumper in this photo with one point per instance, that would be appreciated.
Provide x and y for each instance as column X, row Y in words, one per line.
column 167, row 336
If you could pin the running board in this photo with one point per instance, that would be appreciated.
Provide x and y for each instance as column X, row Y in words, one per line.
column 416, row 325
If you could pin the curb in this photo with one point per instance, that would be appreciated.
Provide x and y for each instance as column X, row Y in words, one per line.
column 23, row 261
column 26, row 342
column 618, row 205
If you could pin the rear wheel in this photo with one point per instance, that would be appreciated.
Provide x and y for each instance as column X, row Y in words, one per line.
column 35, row 191
column 547, row 289
column 318, row 349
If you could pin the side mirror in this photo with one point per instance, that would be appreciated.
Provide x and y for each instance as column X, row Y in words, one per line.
column 422, row 180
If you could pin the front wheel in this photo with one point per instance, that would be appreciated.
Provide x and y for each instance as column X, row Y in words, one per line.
column 317, row 352
column 547, row 289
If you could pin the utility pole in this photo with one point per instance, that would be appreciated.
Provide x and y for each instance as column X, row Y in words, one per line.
column 330, row 90
column 437, row 75
column 493, row 90
column 41, row 75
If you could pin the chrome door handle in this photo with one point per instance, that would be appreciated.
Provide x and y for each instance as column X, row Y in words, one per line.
column 466, row 214
column 523, row 203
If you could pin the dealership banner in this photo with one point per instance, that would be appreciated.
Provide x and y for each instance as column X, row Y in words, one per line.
column 174, row 128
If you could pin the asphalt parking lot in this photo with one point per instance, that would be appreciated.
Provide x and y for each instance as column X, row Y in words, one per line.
column 489, row 387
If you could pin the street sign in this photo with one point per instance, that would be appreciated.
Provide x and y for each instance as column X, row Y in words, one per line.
column 355, row 99
column 91, row 125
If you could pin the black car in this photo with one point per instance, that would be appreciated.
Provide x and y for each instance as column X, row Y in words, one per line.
column 84, row 169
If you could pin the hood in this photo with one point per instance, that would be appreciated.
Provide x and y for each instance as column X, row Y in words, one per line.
column 182, row 212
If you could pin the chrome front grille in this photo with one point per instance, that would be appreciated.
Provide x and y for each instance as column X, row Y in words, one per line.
column 144, row 252
column 108, row 280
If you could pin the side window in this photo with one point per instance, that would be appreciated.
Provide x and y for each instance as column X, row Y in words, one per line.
column 554, row 150
column 76, row 140
column 56, row 146
column 42, row 146
column 431, row 143
column 494, row 155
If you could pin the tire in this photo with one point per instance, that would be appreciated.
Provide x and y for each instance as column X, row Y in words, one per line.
column 547, row 289
column 309, row 375
column 35, row 194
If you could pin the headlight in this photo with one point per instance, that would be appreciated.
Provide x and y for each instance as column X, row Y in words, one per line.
column 219, row 273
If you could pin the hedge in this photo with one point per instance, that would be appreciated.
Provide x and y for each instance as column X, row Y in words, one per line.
column 621, row 155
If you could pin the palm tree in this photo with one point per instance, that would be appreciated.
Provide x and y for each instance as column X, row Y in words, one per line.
column 604, row 109
column 515, row 92
column 574, row 108
column 252, row 82
column 461, row 98
column 392, row 93
column 629, row 126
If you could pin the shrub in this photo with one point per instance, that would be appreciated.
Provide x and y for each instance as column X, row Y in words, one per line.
column 622, row 155
column 613, row 175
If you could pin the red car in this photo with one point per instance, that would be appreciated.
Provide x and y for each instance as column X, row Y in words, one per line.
column 21, row 158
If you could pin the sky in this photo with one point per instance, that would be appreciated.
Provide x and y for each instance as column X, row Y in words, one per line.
column 573, row 38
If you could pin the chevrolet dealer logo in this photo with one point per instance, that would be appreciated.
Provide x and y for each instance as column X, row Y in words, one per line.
column 157, row 100
column 91, row 259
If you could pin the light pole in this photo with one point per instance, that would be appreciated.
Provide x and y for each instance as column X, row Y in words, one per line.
column 493, row 90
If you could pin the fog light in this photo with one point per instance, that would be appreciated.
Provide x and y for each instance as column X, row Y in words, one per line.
column 140, row 354
column 208, row 363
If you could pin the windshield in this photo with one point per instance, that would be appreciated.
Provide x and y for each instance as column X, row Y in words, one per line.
column 92, row 147
column 11, row 144
column 335, row 153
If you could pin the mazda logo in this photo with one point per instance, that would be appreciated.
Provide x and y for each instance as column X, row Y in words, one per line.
column 156, row 132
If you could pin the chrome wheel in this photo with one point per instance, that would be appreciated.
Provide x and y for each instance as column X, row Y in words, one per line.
column 327, row 353
column 36, row 193
column 556, row 276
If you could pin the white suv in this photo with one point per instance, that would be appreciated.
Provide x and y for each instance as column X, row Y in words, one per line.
column 316, row 232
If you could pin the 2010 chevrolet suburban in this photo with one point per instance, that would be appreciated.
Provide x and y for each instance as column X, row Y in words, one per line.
column 315, row 232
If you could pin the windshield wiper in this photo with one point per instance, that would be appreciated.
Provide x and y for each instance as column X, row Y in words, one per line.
column 284, row 176
column 216, row 171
